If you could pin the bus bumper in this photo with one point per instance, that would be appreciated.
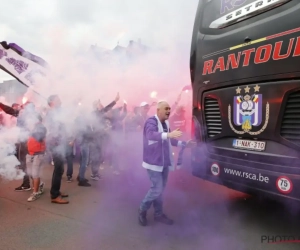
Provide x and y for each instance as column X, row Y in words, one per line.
column 247, row 179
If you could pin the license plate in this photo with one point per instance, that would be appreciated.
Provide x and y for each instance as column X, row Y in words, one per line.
column 250, row 145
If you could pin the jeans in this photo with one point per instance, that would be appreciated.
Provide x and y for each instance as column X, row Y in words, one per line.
column 96, row 156
column 154, row 195
column 69, row 159
column 58, row 160
column 84, row 159
column 117, row 149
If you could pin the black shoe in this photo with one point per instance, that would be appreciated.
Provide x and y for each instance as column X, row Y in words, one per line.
column 84, row 179
column 84, row 184
column 69, row 179
column 23, row 188
column 164, row 219
column 143, row 218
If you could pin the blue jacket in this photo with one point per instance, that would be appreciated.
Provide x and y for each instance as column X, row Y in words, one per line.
column 153, row 136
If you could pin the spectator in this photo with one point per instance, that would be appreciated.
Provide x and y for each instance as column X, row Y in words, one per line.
column 117, row 118
column 35, row 158
column 157, row 159
column 56, row 142
column 96, row 146
column 23, row 114
column 84, row 136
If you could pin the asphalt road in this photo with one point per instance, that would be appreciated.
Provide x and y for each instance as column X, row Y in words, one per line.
column 104, row 216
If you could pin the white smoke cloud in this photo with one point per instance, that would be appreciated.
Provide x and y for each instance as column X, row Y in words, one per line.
column 8, row 160
column 80, row 24
column 62, row 34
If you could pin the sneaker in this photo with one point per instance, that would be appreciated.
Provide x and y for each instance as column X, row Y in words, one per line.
column 142, row 218
column 96, row 177
column 52, row 163
column 163, row 219
column 69, row 179
column 34, row 196
column 41, row 188
column 23, row 188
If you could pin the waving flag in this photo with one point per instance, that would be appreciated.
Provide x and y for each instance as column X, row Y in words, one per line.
column 21, row 64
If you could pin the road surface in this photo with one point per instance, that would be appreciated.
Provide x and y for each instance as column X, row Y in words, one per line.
column 104, row 216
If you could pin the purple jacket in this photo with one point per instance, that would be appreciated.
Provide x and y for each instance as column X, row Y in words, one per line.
column 153, row 156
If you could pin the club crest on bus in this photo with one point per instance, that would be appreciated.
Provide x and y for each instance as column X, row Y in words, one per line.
column 248, row 111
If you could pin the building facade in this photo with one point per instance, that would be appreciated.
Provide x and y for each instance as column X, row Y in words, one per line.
column 12, row 91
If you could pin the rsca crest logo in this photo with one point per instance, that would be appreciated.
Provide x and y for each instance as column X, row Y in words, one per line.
column 227, row 5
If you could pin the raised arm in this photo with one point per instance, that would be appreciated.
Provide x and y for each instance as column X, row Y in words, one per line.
column 110, row 106
column 174, row 106
column 9, row 110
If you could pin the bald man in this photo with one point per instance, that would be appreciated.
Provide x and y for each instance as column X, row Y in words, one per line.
column 157, row 160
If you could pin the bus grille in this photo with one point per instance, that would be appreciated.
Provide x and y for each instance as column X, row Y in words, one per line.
column 290, row 126
column 212, row 117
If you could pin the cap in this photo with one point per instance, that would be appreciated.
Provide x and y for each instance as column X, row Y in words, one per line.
column 143, row 104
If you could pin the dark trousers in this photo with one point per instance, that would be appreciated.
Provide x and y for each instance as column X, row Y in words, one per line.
column 69, row 159
column 21, row 152
column 84, row 159
column 58, row 172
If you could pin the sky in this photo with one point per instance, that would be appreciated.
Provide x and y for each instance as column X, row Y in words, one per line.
column 37, row 25
column 61, row 32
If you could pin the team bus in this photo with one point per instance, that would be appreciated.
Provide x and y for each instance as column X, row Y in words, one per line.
column 245, row 74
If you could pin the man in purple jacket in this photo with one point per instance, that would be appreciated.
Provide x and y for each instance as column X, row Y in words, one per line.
column 157, row 159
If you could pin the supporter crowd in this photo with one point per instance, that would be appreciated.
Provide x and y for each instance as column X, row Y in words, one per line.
column 98, row 138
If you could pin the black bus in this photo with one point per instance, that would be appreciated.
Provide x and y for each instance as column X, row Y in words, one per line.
column 245, row 74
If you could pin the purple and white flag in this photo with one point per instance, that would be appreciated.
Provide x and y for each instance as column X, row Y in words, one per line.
column 22, row 65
